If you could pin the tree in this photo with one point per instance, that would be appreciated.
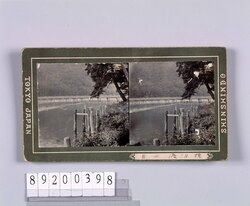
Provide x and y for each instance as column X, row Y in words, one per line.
column 195, row 74
column 104, row 74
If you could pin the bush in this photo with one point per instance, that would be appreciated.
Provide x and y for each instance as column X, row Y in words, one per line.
column 205, row 122
column 114, row 129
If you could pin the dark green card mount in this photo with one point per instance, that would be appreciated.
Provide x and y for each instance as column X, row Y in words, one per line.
column 124, row 104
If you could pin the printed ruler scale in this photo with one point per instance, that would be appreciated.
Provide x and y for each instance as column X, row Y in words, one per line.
column 71, row 184
column 78, row 189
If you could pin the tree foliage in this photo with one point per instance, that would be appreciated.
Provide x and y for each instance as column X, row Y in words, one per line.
column 104, row 74
column 196, row 74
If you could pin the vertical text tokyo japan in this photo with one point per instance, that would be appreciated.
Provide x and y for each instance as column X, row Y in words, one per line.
column 124, row 104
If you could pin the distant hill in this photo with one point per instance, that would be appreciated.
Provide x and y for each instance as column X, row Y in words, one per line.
column 145, row 79
column 160, row 79
column 65, row 79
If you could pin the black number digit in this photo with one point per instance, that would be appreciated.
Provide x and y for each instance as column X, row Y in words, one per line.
column 44, row 179
column 87, row 177
column 32, row 179
column 77, row 178
column 98, row 178
column 54, row 177
column 64, row 179
column 109, row 180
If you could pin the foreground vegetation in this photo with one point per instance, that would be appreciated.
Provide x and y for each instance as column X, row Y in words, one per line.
column 114, row 129
column 204, row 121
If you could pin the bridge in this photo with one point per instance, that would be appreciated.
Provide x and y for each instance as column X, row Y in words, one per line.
column 136, row 104
column 55, row 102
column 144, row 104
column 167, row 100
column 77, row 99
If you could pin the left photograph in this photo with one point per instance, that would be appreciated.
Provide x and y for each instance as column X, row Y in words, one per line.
column 82, row 104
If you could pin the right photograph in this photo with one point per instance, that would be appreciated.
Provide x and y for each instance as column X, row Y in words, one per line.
column 172, row 103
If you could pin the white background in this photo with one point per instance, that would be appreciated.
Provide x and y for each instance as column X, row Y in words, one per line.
column 113, row 23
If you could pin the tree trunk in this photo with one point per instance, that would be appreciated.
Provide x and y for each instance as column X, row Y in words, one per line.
column 125, row 72
column 210, row 91
column 119, row 90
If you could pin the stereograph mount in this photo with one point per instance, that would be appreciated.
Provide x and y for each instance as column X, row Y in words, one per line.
column 124, row 104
